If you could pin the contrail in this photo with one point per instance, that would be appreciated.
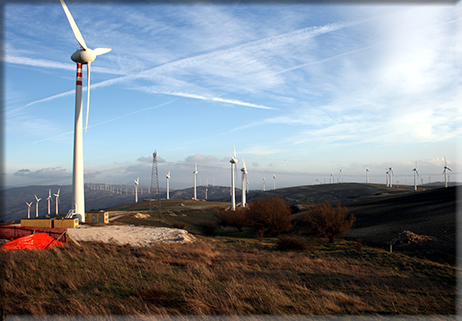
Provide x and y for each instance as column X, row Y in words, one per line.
column 260, row 44
column 111, row 120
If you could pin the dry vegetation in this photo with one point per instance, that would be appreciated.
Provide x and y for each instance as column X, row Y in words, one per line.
column 223, row 276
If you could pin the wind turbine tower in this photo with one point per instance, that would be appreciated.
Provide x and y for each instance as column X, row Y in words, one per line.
column 57, row 200
column 28, row 209
column 341, row 176
column 137, row 181
column 274, row 181
column 195, row 174
column 387, row 178
column 49, row 199
column 244, row 174
column 416, row 173
column 233, row 162
column 36, row 205
column 264, row 179
column 168, row 183
column 83, row 56
column 367, row 175
column 445, row 172
column 390, row 172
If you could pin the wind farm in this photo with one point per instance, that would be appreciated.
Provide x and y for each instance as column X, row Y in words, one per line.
column 320, row 100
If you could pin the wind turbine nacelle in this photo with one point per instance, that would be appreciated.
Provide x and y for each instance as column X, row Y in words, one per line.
column 83, row 56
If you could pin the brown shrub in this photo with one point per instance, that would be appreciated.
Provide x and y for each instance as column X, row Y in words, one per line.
column 288, row 243
column 329, row 221
column 237, row 219
column 269, row 216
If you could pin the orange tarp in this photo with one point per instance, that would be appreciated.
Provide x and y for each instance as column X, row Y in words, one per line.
column 31, row 242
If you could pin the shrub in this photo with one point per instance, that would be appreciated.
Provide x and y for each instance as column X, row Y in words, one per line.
column 288, row 243
column 208, row 228
column 269, row 216
column 329, row 221
column 179, row 225
column 237, row 219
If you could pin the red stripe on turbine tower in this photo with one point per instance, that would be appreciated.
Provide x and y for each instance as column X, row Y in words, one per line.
column 79, row 74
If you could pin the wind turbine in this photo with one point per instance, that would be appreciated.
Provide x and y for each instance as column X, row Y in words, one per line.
column 49, row 199
column 332, row 178
column 168, row 180
column 195, row 174
column 387, row 177
column 28, row 209
column 274, row 181
column 57, row 200
column 390, row 172
column 83, row 56
column 244, row 174
column 416, row 173
column 445, row 172
column 264, row 179
column 36, row 205
column 367, row 175
column 341, row 176
column 137, row 181
column 233, row 162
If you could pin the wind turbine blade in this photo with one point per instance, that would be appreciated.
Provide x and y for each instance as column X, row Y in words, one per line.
column 74, row 27
column 101, row 51
column 88, row 95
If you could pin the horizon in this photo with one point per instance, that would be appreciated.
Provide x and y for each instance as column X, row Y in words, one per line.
column 301, row 91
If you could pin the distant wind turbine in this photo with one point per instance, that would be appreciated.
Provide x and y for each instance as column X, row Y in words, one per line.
column 168, row 183
column 341, row 176
column 49, row 200
column 84, row 56
column 28, row 209
column 445, row 172
column 244, row 174
column 137, row 181
column 195, row 174
column 264, row 179
column 332, row 178
column 390, row 172
column 367, row 175
column 36, row 205
column 57, row 200
column 387, row 178
column 274, row 181
column 233, row 162
column 416, row 173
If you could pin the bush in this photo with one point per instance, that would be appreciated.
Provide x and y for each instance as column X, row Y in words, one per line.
column 288, row 243
column 237, row 219
column 179, row 225
column 208, row 228
column 329, row 221
column 269, row 216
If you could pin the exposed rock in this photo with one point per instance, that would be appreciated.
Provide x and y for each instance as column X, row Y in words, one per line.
column 408, row 237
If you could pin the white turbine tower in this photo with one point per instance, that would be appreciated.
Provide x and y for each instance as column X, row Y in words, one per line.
column 387, row 178
column 137, row 181
column 445, row 172
column 83, row 56
column 49, row 200
column 390, row 172
column 168, row 183
column 233, row 162
column 28, row 209
column 57, row 200
column 264, row 179
column 416, row 173
column 195, row 174
column 36, row 205
column 367, row 175
column 341, row 176
column 244, row 174
column 274, row 181
column 332, row 178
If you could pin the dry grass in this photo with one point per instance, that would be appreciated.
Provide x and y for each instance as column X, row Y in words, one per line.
column 223, row 277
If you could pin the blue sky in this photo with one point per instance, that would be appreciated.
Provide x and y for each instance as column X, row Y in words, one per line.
column 301, row 91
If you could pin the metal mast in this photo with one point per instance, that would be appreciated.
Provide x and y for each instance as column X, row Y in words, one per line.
column 154, row 174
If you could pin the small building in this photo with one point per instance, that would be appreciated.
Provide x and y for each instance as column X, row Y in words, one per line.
column 37, row 222
column 66, row 223
column 97, row 217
